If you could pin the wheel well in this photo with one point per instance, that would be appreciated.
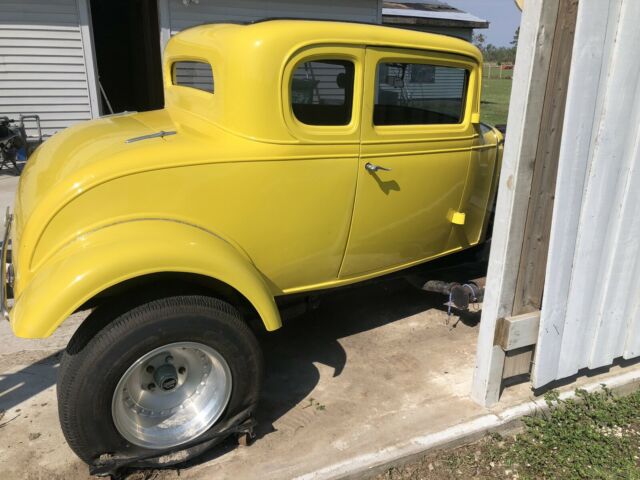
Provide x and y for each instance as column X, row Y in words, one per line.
column 136, row 291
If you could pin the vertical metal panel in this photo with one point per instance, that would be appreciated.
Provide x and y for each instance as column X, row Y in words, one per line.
column 42, row 62
column 182, row 16
column 591, row 290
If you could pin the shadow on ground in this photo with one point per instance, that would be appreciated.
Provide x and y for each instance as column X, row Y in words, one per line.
column 20, row 386
column 291, row 353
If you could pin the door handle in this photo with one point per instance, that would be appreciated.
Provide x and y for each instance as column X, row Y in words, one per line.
column 370, row 167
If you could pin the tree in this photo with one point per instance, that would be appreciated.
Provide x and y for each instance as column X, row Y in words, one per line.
column 514, row 42
column 478, row 40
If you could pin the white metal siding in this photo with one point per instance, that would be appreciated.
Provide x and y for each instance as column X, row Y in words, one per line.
column 183, row 16
column 42, row 62
column 591, row 306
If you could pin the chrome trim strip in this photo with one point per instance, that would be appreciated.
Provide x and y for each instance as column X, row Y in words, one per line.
column 160, row 134
column 4, row 309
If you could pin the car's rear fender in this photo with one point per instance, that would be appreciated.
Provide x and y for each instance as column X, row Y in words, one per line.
column 99, row 260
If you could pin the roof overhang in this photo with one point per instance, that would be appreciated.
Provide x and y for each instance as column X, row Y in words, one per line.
column 422, row 14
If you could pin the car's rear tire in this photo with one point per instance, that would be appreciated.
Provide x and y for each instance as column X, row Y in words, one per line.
column 106, row 403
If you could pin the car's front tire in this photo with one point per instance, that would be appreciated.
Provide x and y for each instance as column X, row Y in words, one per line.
column 156, row 377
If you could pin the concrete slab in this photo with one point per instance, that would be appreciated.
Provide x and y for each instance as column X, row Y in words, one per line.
column 8, row 185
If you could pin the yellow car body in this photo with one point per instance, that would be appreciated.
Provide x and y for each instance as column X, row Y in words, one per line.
column 231, row 186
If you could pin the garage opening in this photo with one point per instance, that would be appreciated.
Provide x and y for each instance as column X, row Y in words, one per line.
column 127, row 44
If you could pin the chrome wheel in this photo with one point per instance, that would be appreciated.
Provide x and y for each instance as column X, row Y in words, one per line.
column 171, row 395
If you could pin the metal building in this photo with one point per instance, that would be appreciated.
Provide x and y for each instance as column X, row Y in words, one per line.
column 432, row 16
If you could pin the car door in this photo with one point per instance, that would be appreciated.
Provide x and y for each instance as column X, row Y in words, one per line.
column 416, row 143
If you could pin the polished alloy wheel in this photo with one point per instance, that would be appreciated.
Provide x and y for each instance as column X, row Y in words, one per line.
column 171, row 395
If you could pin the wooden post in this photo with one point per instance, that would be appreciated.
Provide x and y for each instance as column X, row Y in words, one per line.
column 533, row 261
column 525, row 201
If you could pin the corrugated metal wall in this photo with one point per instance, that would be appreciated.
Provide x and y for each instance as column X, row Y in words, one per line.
column 182, row 16
column 591, row 306
column 42, row 62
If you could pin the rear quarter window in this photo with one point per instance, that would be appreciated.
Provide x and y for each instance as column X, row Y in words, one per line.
column 322, row 92
column 193, row 74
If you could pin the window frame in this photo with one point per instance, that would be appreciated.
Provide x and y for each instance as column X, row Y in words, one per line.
column 344, row 104
column 349, row 133
column 172, row 72
column 377, row 55
column 463, row 99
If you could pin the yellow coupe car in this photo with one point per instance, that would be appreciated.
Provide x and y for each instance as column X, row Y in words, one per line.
column 291, row 156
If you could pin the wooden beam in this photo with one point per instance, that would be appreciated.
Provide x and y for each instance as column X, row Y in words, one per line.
column 533, row 58
column 517, row 362
column 535, row 248
column 517, row 332
column 533, row 260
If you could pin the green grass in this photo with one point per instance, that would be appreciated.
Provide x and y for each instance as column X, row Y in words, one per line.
column 593, row 436
column 494, row 104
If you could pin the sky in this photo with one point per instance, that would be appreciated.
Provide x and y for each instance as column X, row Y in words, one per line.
column 503, row 15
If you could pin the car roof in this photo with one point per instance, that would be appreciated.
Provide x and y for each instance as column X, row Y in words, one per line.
column 248, row 63
column 326, row 31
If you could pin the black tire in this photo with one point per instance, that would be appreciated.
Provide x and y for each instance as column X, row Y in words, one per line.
column 106, row 345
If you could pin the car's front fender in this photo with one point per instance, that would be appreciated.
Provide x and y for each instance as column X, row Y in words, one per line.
column 108, row 256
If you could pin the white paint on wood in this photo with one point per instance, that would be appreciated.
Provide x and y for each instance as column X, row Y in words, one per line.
column 590, row 307
column 525, row 113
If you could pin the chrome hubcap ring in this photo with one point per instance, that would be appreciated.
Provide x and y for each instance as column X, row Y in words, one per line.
column 171, row 395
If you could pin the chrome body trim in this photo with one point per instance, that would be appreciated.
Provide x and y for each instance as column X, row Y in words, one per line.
column 160, row 134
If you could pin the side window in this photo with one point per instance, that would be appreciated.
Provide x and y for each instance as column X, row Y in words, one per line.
column 419, row 94
column 322, row 92
column 193, row 74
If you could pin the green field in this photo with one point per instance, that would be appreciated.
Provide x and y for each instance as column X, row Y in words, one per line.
column 495, row 100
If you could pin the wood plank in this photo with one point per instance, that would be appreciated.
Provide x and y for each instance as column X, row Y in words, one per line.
column 537, row 30
column 517, row 331
column 517, row 362
column 533, row 261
